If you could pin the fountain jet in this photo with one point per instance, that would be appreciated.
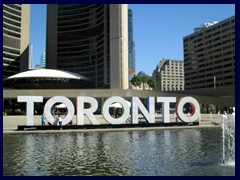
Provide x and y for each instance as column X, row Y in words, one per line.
column 228, row 138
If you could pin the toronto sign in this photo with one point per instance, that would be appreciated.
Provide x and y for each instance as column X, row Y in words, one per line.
column 136, row 107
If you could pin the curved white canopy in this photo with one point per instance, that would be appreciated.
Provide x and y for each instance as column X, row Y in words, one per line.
column 47, row 73
column 61, row 106
column 118, row 105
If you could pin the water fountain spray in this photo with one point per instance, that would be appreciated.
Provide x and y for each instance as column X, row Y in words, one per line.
column 228, row 138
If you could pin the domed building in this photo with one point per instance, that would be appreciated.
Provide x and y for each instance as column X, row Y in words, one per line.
column 47, row 79
column 142, row 73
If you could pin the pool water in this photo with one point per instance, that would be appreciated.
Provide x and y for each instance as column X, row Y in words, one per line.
column 179, row 152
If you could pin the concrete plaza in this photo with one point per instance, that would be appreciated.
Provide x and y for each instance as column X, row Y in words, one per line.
column 10, row 123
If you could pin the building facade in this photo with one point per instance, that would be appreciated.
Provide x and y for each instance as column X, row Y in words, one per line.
column 16, row 20
column 90, row 40
column 209, row 56
column 30, row 56
column 43, row 60
column 131, row 46
column 205, row 25
column 169, row 75
column 37, row 66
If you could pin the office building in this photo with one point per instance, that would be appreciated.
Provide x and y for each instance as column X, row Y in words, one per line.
column 16, row 20
column 131, row 46
column 43, row 60
column 37, row 66
column 30, row 56
column 169, row 75
column 209, row 56
column 205, row 25
column 90, row 40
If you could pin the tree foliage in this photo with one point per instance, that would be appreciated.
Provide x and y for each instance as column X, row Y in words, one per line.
column 152, row 82
column 136, row 81
column 144, row 80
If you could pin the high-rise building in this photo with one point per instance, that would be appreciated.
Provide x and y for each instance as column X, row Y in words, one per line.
column 131, row 46
column 91, row 40
column 209, row 56
column 205, row 25
column 169, row 75
column 37, row 66
column 16, row 20
column 43, row 60
column 30, row 56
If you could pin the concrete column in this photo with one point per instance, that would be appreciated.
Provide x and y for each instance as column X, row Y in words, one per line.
column 25, row 33
column 119, row 46
column 25, row 27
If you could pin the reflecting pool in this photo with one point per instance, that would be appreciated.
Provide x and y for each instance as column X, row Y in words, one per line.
column 179, row 152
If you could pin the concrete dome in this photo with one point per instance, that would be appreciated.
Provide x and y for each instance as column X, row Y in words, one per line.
column 47, row 73
column 47, row 79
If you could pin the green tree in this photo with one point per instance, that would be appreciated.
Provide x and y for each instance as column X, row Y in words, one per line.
column 144, row 80
column 136, row 81
column 151, row 82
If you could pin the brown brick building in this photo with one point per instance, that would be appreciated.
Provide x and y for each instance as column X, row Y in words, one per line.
column 209, row 56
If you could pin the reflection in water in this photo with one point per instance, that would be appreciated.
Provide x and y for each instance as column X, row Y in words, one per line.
column 144, row 153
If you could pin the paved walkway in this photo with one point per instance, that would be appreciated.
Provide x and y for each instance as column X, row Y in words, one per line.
column 10, row 124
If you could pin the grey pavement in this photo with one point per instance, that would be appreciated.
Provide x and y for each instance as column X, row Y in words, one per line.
column 10, row 124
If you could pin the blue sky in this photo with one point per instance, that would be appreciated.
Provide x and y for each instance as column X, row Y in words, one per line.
column 158, row 29
column 38, row 30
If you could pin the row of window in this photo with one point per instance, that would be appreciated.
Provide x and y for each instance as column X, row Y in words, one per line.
column 197, row 46
column 208, row 52
column 180, row 83
column 78, row 50
column 6, row 14
column 17, row 52
column 173, row 89
column 82, row 21
column 218, row 70
column 10, row 56
column 11, row 33
column 18, row 24
column 82, row 42
column 83, row 64
column 200, row 67
column 14, row 64
column 173, row 66
column 14, row 6
column 11, row 10
column 83, row 70
column 96, row 54
column 172, row 73
column 79, row 8
column 208, row 85
column 199, row 43
column 172, row 86
column 11, row 28
column 79, row 17
column 210, row 55
column 81, row 34
column 89, row 24
column 210, row 77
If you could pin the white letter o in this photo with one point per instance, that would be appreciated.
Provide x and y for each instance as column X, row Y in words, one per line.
column 108, row 117
column 195, row 109
column 61, row 99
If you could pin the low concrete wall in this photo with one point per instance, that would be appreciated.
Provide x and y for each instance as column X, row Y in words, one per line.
column 12, row 122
